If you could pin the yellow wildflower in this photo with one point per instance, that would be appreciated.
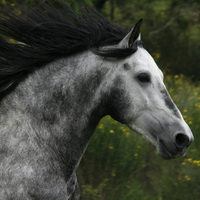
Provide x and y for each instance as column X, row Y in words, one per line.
column 187, row 178
column 156, row 55
column 127, row 134
column 101, row 126
column 176, row 76
column 185, row 116
column 196, row 162
column 113, row 173
column 189, row 159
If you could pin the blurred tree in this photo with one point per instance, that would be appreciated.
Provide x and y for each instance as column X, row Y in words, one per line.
column 171, row 29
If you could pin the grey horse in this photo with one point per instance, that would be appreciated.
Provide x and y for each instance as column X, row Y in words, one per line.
column 60, row 73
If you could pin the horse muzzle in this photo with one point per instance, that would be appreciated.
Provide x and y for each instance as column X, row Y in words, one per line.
column 176, row 148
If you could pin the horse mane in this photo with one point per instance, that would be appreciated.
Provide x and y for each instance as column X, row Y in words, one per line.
column 43, row 34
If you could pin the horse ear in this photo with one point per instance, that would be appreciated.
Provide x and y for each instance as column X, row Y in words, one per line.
column 132, row 36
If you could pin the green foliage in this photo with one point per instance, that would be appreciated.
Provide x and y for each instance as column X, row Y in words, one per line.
column 91, row 193
column 170, row 29
column 130, row 164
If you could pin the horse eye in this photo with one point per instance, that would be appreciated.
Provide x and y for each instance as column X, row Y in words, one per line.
column 144, row 77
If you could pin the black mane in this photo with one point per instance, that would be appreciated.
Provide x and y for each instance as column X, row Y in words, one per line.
column 40, row 35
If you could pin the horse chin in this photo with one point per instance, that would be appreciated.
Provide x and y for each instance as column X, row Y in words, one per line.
column 167, row 155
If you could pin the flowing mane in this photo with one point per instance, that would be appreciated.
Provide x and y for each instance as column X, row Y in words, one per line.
column 44, row 34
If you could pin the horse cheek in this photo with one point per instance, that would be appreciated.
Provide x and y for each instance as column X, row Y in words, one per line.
column 118, row 104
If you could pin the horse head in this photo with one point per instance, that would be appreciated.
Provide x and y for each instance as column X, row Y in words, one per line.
column 139, row 99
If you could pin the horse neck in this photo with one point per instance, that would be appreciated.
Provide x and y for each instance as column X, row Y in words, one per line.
column 58, row 106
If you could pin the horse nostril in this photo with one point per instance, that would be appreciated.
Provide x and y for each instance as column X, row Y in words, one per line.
column 182, row 140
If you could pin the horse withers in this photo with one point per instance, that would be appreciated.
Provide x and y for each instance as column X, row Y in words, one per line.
column 59, row 77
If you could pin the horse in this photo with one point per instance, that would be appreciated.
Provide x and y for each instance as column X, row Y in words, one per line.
column 60, row 73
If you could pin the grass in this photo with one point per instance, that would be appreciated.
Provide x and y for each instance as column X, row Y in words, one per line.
column 120, row 165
